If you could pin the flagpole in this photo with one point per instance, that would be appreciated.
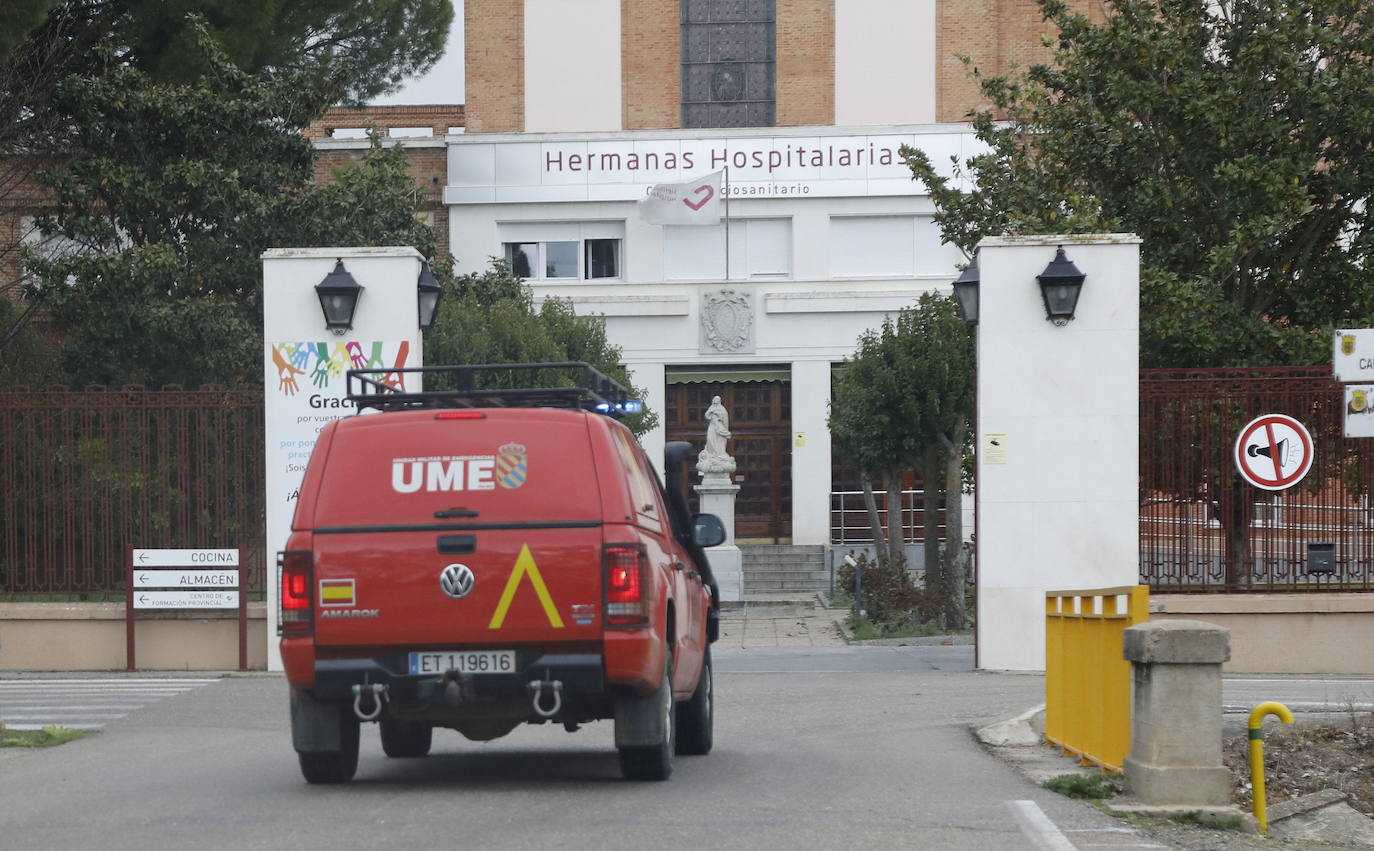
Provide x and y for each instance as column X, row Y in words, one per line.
column 727, row 223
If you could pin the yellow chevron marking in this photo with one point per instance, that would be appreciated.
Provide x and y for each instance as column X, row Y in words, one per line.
column 525, row 566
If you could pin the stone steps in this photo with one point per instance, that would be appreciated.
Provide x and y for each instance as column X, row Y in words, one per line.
column 785, row 568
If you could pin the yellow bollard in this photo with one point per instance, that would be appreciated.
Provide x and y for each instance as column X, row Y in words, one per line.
column 1257, row 716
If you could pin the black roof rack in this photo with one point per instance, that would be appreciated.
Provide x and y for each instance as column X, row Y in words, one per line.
column 568, row 384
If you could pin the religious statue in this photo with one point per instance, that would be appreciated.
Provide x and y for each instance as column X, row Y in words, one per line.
column 714, row 460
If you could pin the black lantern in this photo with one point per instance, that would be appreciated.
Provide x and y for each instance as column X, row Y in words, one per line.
column 338, row 294
column 430, row 291
column 1060, row 284
column 966, row 292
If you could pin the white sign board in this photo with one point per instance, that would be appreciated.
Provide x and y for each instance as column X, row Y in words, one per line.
column 1273, row 452
column 306, row 390
column 1352, row 356
column 186, row 578
column 1359, row 410
column 759, row 166
column 186, row 558
column 186, row 599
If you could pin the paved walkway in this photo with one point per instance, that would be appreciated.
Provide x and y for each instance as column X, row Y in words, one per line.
column 779, row 622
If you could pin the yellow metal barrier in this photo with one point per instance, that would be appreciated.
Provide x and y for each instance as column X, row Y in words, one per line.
column 1087, row 679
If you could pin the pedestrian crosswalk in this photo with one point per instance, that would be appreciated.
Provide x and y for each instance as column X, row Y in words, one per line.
column 83, row 704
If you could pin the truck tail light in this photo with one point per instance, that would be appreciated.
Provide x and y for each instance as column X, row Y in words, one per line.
column 295, row 615
column 627, row 576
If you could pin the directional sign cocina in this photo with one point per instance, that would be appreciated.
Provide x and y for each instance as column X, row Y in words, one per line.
column 186, row 558
column 1273, row 452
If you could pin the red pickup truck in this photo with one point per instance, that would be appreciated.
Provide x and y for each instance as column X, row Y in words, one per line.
column 487, row 556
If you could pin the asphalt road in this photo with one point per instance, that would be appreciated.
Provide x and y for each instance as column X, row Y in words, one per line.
column 815, row 748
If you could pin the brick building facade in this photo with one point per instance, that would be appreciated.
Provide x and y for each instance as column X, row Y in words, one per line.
column 829, row 55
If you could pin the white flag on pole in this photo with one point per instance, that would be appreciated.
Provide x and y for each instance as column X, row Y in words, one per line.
column 696, row 202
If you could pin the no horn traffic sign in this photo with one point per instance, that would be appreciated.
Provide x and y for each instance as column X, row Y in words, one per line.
column 1273, row 452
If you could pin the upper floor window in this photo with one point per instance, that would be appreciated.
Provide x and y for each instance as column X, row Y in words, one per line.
column 729, row 72
column 572, row 250
column 889, row 247
column 759, row 248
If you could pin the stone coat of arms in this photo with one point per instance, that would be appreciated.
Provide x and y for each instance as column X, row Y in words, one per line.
column 727, row 321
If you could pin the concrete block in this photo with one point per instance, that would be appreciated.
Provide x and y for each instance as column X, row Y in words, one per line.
column 1323, row 817
column 1177, row 642
column 1025, row 730
column 1177, row 785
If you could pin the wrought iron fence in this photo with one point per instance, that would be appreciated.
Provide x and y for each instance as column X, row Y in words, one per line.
column 84, row 475
column 1202, row 528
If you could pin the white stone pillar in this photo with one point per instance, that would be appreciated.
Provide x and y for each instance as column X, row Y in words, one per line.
column 810, row 452
column 649, row 377
column 717, row 496
column 304, row 365
column 1057, row 444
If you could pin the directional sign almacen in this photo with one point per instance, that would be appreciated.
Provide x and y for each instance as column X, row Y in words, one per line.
column 1273, row 452
column 186, row 578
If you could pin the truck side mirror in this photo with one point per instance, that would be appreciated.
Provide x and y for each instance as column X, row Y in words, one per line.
column 707, row 530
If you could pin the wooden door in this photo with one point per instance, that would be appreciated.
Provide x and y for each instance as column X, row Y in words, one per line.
column 761, row 443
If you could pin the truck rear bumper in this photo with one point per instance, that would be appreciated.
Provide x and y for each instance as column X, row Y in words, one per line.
column 579, row 673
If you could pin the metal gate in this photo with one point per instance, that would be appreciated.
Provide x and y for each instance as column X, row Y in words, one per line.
column 1202, row 528
column 86, row 475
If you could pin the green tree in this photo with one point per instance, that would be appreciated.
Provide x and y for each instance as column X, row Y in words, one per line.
column 371, row 45
column 1236, row 138
column 176, row 191
column 18, row 18
column 903, row 403
column 491, row 318
column 362, row 47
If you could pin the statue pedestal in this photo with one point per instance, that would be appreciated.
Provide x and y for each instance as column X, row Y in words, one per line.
column 717, row 495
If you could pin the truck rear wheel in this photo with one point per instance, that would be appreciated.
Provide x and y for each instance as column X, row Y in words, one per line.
column 654, row 762
column 696, row 716
column 405, row 738
column 334, row 766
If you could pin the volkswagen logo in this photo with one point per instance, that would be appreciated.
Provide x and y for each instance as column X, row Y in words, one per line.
column 457, row 580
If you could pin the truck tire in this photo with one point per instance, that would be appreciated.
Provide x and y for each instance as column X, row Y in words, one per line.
column 654, row 762
column 405, row 738
column 334, row 766
column 696, row 716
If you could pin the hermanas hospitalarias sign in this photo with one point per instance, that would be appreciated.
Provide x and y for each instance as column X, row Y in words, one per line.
column 695, row 202
column 629, row 165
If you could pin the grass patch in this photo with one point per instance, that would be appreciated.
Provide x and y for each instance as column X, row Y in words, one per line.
column 47, row 737
column 1085, row 785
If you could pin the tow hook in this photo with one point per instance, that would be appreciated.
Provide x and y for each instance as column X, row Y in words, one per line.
column 537, row 695
column 377, row 693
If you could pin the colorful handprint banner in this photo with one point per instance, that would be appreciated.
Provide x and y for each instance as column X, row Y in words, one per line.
column 306, row 390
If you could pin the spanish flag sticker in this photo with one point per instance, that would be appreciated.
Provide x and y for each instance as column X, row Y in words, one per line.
column 337, row 592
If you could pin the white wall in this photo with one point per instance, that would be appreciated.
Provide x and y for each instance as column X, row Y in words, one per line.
column 1061, row 512
column 572, row 65
column 884, row 61
column 387, row 311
